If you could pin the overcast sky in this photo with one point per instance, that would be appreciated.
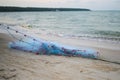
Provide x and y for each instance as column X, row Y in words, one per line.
column 90, row 4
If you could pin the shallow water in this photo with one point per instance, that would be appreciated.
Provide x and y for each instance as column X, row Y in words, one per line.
column 100, row 25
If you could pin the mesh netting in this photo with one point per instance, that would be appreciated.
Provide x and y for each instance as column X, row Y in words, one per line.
column 40, row 46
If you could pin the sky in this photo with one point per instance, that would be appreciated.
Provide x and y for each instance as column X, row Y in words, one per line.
column 90, row 4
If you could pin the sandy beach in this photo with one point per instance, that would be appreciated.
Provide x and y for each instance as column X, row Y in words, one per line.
column 19, row 65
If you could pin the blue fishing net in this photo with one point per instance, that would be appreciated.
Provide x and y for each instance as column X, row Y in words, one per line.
column 30, row 44
column 52, row 48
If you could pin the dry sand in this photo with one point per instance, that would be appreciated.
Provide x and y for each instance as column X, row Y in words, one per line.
column 19, row 65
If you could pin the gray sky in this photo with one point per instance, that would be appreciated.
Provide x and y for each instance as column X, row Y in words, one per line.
column 90, row 4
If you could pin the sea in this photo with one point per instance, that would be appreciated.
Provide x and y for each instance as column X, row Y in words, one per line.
column 92, row 25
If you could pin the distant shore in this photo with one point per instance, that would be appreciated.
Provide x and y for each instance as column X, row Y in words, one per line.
column 29, row 9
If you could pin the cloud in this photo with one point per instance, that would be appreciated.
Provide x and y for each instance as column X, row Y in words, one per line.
column 91, row 4
column 97, row 4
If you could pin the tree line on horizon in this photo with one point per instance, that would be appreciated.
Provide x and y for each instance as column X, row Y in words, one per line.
column 20, row 9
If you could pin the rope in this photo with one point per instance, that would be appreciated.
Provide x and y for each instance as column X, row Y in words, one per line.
column 109, row 61
column 7, row 28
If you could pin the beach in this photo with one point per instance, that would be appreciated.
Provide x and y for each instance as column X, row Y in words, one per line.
column 20, row 65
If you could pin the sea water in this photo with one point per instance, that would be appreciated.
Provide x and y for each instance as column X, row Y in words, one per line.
column 97, row 25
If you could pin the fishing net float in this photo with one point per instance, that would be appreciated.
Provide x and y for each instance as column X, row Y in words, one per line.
column 39, row 46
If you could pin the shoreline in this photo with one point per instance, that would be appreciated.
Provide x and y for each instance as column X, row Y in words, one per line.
column 15, row 63
column 39, row 31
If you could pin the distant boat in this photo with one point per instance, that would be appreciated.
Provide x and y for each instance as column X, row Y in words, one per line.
column 57, row 10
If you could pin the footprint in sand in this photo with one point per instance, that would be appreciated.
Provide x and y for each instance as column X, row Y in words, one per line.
column 8, row 74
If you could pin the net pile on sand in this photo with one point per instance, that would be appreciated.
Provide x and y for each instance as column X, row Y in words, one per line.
column 39, row 46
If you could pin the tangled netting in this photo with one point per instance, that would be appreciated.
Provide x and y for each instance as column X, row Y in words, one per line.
column 39, row 46
column 52, row 48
